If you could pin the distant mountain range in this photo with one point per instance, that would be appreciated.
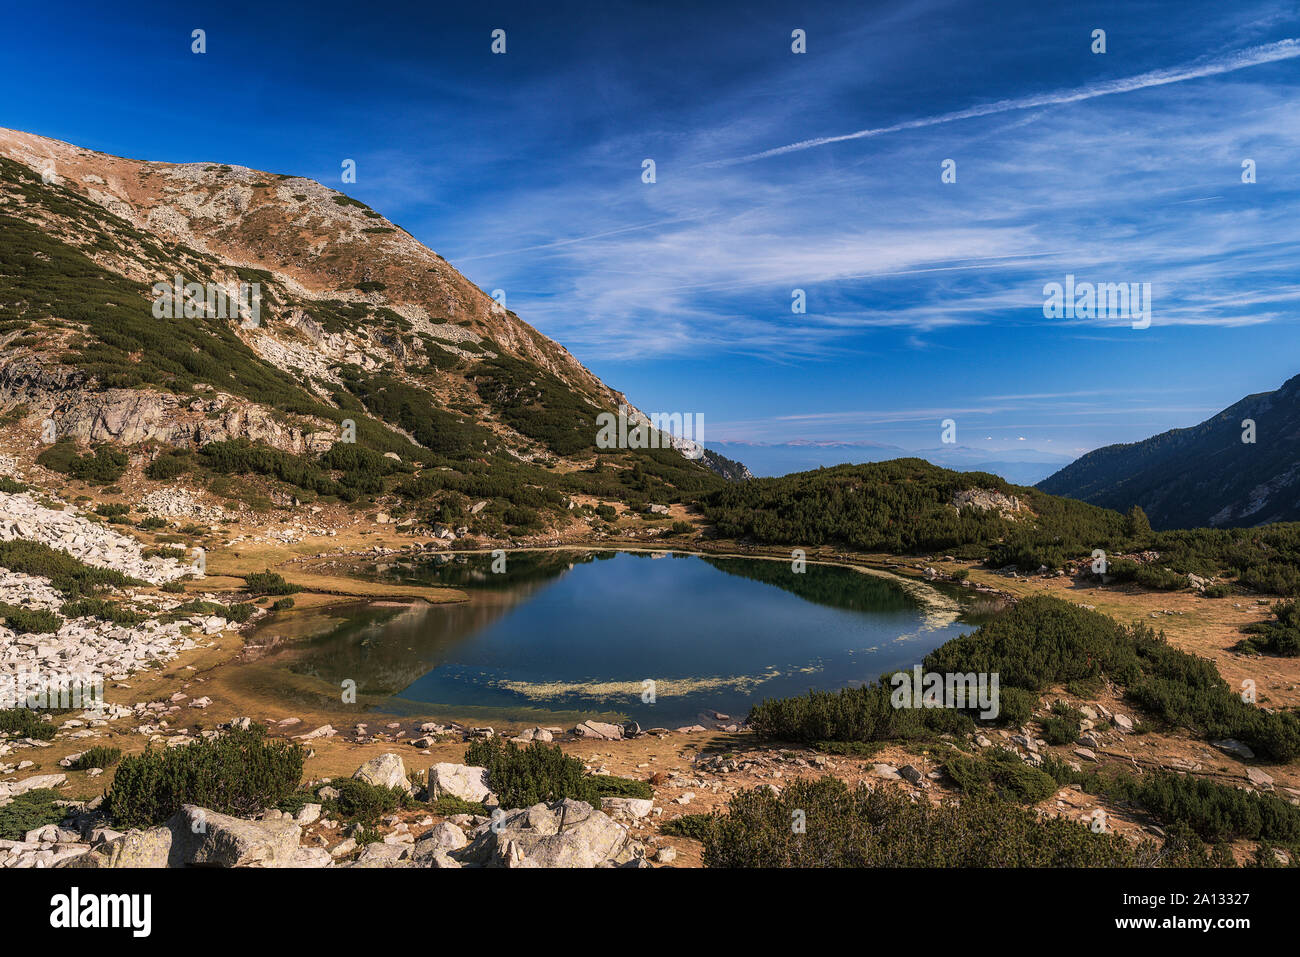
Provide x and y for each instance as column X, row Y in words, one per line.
column 1206, row 475
column 1019, row 466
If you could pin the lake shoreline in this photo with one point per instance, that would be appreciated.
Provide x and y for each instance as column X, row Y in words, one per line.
column 533, row 701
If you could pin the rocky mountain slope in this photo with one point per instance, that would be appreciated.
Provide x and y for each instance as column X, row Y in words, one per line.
column 1206, row 475
column 356, row 323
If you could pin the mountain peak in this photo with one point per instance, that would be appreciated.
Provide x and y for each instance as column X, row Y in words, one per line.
column 355, row 322
column 1238, row 468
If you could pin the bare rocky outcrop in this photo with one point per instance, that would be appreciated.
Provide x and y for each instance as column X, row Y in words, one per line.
column 566, row 833
column 987, row 499
column 198, row 837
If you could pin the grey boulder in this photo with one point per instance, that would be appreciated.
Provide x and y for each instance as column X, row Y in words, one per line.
column 567, row 833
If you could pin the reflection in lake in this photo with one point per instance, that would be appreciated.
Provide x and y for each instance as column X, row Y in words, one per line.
column 585, row 630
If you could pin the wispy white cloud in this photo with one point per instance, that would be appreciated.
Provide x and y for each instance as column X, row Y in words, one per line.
column 1256, row 56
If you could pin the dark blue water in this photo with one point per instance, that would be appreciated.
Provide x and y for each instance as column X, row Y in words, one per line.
column 566, row 631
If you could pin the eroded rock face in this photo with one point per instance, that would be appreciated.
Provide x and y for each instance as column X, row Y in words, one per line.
column 198, row 837
column 987, row 499
column 205, row 838
column 130, row 416
column 567, row 833
column 151, row 848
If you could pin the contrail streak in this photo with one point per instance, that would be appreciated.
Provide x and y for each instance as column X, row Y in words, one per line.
column 1255, row 56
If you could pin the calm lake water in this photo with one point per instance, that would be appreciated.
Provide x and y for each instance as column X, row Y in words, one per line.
column 583, row 631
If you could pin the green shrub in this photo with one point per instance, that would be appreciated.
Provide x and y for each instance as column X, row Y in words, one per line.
column 1015, row 705
column 239, row 772
column 363, row 802
column 240, row 612
column 102, row 466
column 844, row 827
column 1281, row 636
column 284, row 604
column 103, row 610
column 11, row 486
column 112, row 510
column 1064, row 726
column 170, row 464
column 447, row 805
column 97, row 757
column 695, row 826
column 1214, row 811
column 164, row 552
column 30, row 621
column 28, row 811
column 67, row 574
column 864, row 713
column 1084, row 687
column 536, row 774
column 269, row 583
column 1160, row 579
column 25, row 723
column 1040, row 643
column 1002, row 774
column 609, row 785
column 1060, row 730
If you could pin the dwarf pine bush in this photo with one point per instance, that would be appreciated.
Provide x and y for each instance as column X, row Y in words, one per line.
column 30, row 621
column 1213, row 811
column 1041, row 643
column 97, row 757
column 238, row 773
column 269, row 583
column 839, row 826
column 69, row 575
column 1000, row 773
column 1280, row 636
column 536, row 774
column 363, row 802
column 24, row 723
column 26, row 812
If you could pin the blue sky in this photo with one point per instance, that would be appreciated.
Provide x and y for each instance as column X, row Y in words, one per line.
column 924, row 299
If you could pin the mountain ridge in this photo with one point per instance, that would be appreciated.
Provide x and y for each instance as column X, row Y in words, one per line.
column 360, row 335
column 1203, row 475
